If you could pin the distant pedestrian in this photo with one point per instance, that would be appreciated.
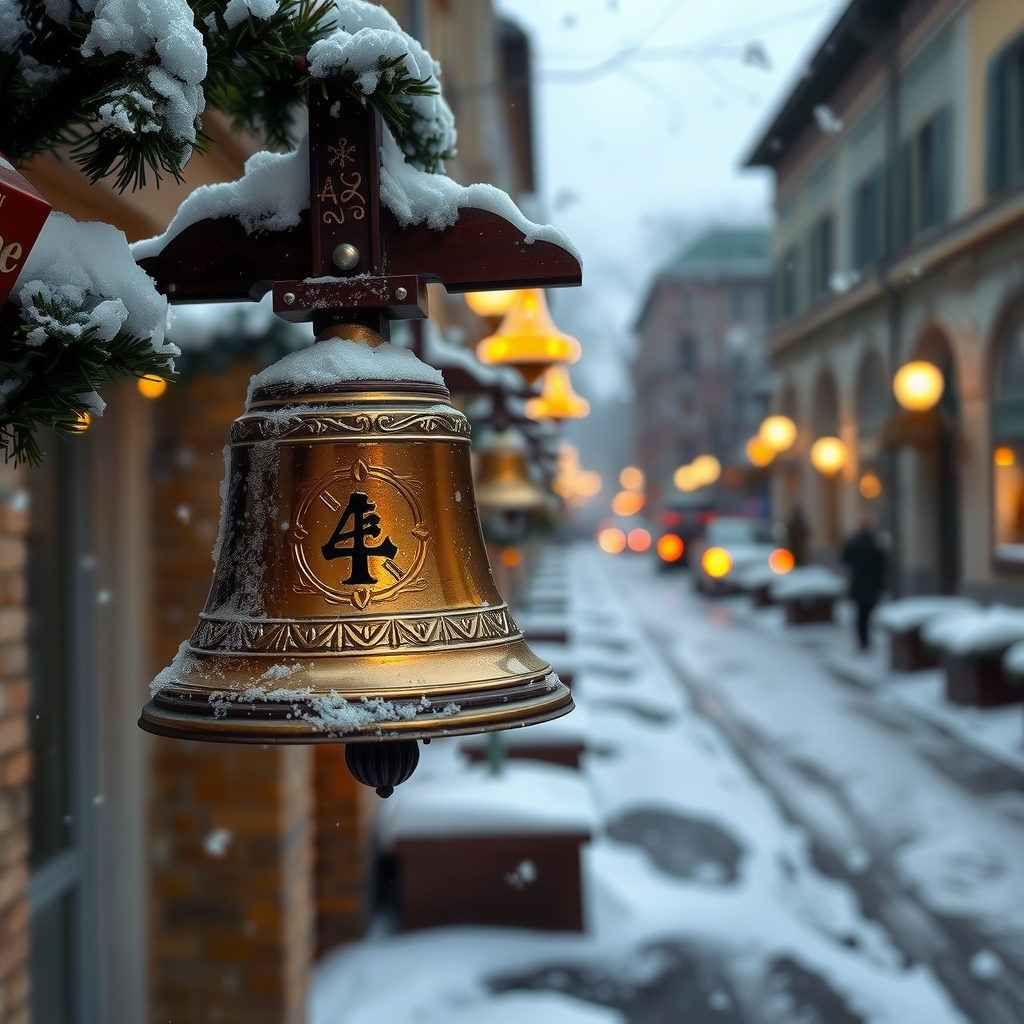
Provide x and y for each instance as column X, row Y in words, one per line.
column 797, row 532
column 866, row 560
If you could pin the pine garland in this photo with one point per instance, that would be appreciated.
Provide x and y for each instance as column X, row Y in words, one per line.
column 113, row 112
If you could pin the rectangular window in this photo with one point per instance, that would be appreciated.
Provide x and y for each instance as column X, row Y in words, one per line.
column 687, row 355
column 934, row 159
column 787, row 282
column 1004, row 129
column 869, row 218
column 820, row 247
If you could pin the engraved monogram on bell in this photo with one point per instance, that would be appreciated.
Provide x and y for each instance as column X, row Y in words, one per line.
column 352, row 599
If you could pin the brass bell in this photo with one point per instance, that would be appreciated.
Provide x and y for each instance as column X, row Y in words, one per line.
column 503, row 483
column 352, row 599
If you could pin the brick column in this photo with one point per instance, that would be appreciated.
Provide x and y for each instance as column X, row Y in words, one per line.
column 15, row 761
column 231, row 832
column 231, row 883
column 342, row 812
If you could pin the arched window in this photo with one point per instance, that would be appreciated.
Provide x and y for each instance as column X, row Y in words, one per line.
column 825, row 406
column 873, row 403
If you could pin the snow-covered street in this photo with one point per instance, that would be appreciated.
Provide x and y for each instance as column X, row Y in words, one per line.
column 775, row 842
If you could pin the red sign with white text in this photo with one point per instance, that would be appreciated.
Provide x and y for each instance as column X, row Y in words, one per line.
column 23, row 211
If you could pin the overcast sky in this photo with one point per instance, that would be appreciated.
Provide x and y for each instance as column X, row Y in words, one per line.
column 644, row 112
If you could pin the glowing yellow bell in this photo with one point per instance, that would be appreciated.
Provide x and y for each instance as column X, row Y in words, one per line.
column 557, row 400
column 490, row 304
column 528, row 338
column 352, row 598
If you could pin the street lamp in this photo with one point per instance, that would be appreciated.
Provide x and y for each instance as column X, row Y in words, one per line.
column 778, row 433
column 828, row 455
column 706, row 469
column 918, row 386
column 759, row 452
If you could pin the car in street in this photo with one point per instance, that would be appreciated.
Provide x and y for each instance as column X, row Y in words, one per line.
column 730, row 546
column 681, row 526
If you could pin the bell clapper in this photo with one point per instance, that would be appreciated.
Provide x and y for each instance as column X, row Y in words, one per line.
column 383, row 764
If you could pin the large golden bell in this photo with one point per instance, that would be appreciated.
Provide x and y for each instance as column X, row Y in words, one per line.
column 503, row 483
column 352, row 598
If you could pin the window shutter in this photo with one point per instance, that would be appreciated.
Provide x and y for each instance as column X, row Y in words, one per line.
column 996, row 88
column 942, row 164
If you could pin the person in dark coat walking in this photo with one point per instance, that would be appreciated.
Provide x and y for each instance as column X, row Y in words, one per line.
column 866, row 560
column 797, row 532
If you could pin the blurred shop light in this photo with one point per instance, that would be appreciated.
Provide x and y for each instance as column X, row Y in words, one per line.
column 781, row 561
column 1004, row 456
column 918, row 386
column 759, row 453
column 612, row 540
column 632, row 478
column 828, row 455
column 778, row 432
column 627, row 503
column 870, row 486
column 716, row 562
column 670, row 547
column 707, row 469
column 638, row 540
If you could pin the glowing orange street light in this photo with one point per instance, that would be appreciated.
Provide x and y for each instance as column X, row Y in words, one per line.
column 151, row 386
column 488, row 304
column 870, row 486
column 632, row 478
column 670, row 548
column 511, row 557
column 685, row 479
column 778, row 432
column 716, row 562
column 706, row 469
column 638, row 540
column 759, row 452
column 828, row 455
column 557, row 400
column 918, row 386
column 781, row 561
column 612, row 540
column 1004, row 456
column 528, row 338
column 627, row 503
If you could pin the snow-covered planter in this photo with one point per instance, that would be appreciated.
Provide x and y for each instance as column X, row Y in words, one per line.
column 972, row 645
column 479, row 848
column 903, row 619
column 756, row 580
column 808, row 593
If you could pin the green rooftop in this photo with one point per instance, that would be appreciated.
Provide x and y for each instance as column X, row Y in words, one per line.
column 723, row 250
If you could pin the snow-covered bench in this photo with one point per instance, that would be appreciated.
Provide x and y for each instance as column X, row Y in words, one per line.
column 972, row 646
column 903, row 618
column 479, row 848
column 808, row 593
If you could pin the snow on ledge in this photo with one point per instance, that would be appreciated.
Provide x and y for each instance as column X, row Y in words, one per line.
column 525, row 799
column 337, row 360
column 907, row 613
column 274, row 190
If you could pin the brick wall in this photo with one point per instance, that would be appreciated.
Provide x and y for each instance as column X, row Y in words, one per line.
column 15, row 762
column 342, row 849
column 231, row 870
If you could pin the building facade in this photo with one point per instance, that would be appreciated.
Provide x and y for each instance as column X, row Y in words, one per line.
column 899, row 236
column 699, row 373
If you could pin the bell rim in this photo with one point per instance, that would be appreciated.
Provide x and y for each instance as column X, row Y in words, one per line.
column 496, row 716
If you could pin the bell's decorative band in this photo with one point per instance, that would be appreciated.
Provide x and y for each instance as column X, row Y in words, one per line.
column 352, row 598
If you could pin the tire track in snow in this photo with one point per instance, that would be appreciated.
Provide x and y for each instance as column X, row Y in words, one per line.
column 808, row 798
